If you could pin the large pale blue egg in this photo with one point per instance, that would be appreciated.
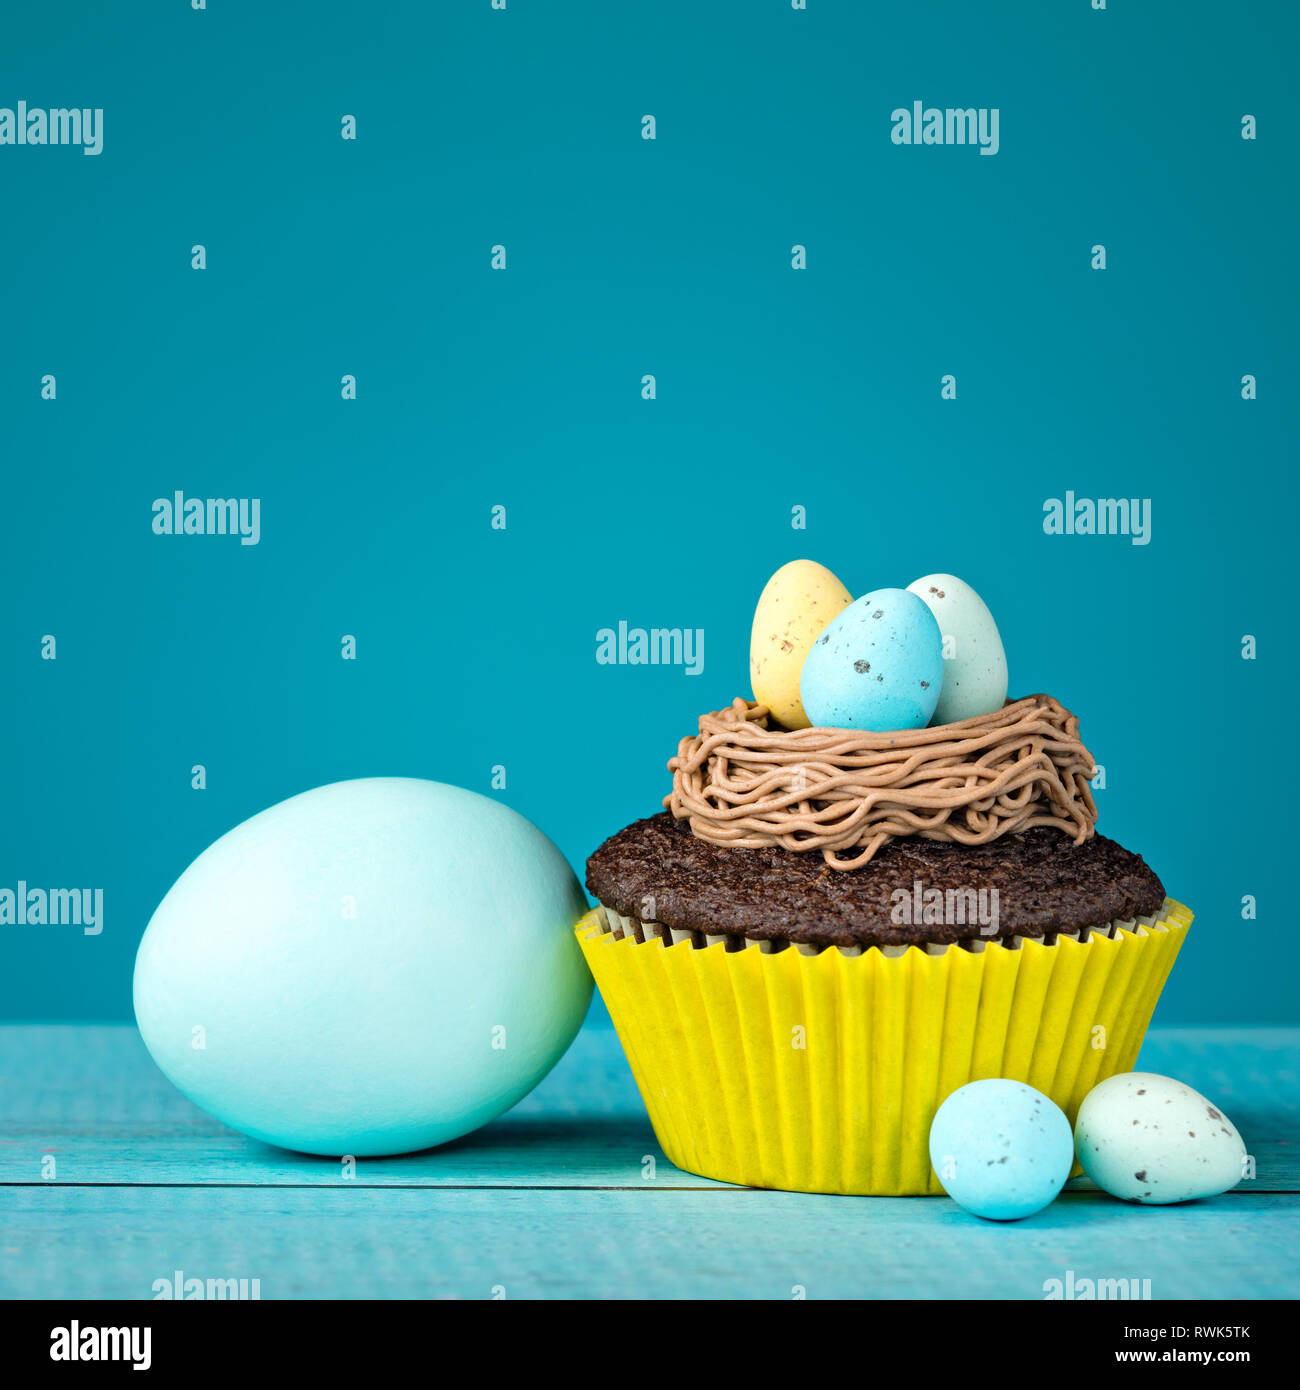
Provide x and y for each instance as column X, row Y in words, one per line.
column 1001, row 1149
column 877, row 666
column 372, row 967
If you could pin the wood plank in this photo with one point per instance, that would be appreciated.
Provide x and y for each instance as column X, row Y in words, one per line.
column 346, row 1242
column 94, row 1097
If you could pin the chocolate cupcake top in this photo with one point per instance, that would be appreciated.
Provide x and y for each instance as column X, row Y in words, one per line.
column 913, row 890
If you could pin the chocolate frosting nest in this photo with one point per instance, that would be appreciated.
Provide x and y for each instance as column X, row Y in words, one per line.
column 847, row 793
column 656, row 870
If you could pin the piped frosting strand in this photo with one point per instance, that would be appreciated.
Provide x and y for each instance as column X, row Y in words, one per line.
column 740, row 783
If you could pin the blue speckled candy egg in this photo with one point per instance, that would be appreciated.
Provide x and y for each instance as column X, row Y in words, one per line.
column 1001, row 1149
column 877, row 666
column 371, row 967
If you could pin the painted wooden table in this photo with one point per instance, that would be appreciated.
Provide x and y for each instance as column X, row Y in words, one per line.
column 110, row 1180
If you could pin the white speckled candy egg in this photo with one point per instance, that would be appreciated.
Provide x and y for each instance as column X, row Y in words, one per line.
column 371, row 967
column 975, row 661
column 878, row 666
column 1147, row 1138
column 1001, row 1149
column 795, row 605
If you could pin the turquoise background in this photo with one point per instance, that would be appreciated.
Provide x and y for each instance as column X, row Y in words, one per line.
column 522, row 388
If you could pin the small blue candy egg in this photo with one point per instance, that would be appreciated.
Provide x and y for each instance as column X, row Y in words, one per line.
column 1001, row 1149
column 877, row 666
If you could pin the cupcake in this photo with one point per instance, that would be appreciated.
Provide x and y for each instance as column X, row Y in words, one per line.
column 828, row 930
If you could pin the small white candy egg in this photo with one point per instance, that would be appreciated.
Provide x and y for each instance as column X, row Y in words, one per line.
column 974, row 660
column 1150, row 1139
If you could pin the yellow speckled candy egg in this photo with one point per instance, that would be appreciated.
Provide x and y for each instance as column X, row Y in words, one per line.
column 795, row 606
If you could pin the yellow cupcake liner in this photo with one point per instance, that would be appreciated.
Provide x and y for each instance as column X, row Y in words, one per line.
column 822, row 1072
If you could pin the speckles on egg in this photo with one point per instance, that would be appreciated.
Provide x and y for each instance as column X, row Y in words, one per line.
column 795, row 606
column 890, row 635
column 1001, row 1149
column 975, row 662
column 1127, row 1152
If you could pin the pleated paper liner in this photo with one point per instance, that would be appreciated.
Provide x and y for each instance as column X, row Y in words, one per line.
column 822, row 1072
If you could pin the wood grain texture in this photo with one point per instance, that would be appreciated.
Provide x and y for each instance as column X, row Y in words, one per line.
column 732, row 1243
column 94, row 1097
column 556, row 1200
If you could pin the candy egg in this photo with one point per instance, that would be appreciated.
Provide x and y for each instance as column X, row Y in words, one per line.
column 878, row 665
column 975, row 661
column 1001, row 1149
column 795, row 605
column 1147, row 1138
